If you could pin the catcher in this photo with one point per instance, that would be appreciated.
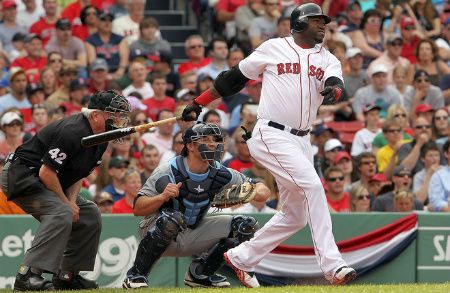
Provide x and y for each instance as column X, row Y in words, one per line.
column 175, row 200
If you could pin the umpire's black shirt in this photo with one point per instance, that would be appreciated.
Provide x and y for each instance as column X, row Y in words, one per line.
column 58, row 146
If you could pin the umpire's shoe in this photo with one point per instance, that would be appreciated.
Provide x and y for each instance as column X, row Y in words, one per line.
column 67, row 281
column 343, row 275
column 26, row 280
column 135, row 282
column 204, row 281
column 247, row 279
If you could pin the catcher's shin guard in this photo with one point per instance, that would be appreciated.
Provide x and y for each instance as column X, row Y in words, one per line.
column 242, row 229
column 212, row 260
column 150, row 249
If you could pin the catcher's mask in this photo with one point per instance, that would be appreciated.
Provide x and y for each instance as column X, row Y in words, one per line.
column 113, row 103
column 200, row 133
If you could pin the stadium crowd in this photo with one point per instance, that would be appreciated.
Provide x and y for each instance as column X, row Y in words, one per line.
column 395, row 58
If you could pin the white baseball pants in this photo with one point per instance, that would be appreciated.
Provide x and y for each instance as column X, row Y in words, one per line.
column 290, row 159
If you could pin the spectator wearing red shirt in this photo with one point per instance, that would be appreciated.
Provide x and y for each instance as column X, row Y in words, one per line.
column 338, row 200
column 45, row 26
column 99, row 76
column 242, row 160
column 73, row 10
column 195, row 50
column 132, row 184
column 77, row 91
column 159, row 101
column 411, row 37
column 89, row 18
column 35, row 60
column 226, row 9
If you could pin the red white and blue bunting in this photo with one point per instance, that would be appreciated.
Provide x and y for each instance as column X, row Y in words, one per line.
column 363, row 252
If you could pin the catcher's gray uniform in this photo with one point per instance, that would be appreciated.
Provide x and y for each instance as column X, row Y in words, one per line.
column 209, row 230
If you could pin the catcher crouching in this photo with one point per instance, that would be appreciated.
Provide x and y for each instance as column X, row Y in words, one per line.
column 175, row 201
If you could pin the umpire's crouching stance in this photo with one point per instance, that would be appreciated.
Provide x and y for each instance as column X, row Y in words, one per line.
column 44, row 176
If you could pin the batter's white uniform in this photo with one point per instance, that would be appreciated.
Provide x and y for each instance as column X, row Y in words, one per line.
column 292, row 80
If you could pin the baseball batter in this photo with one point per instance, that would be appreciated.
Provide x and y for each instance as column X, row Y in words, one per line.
column 298, row 76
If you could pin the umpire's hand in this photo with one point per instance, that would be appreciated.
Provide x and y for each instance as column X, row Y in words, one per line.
column 191, row 112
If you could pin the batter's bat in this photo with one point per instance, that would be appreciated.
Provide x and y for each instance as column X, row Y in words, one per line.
column 100, row 138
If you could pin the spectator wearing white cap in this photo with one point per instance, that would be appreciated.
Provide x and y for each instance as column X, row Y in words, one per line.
column 12, row 127
column 379, row 92
column 356, row 77
column 391, row 56
column 331, row 148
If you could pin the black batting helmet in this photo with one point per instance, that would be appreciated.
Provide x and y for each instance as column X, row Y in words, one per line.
column 299, row 16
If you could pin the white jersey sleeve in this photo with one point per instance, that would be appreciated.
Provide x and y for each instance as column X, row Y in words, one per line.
column 256, row 62
column 334, row 68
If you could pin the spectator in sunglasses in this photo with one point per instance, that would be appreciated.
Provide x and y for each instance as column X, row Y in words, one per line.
column 386, row 156
column 402, row 180
column 409, row 153
column 422, row 92
column 391, row 56
column 366, row 167
column 440, row 124
column 338, row 200
column 331, row 148
column 359, row 199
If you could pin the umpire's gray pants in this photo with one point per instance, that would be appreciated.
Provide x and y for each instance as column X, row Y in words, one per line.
column 59, row 243
column 194, row 241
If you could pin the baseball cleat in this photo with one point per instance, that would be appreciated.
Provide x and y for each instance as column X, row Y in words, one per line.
column 76, row 282
column 135, row 282
column 29, row 281
column 343, row 275
column 203, row 281
column 247, row 279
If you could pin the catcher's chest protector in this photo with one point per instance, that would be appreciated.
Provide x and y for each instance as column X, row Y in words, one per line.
column 195, row 197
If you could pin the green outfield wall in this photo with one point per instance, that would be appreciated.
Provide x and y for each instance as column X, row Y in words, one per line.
column 427, row 259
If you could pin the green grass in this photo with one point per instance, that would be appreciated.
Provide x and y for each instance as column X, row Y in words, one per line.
column 410, row 288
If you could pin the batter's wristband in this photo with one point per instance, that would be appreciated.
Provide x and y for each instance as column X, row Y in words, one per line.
column 205, row 98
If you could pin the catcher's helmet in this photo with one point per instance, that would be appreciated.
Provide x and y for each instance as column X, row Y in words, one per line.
column 199, row 130
column 299, row 16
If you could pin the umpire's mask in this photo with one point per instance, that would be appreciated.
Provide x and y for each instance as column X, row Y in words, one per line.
column 199, row 133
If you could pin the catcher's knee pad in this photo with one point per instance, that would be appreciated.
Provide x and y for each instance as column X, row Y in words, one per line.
column 156, row 241
column 168, row 225
column 244, row 227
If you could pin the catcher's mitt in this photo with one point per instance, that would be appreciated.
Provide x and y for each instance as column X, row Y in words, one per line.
column 236, row 194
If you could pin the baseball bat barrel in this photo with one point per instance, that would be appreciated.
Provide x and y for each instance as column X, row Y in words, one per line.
column 104, row 137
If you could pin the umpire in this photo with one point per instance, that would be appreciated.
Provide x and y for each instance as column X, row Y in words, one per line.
column 44, row 177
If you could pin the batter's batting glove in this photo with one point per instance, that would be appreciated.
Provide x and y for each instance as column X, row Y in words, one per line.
column 331, row 95
column 191, row 112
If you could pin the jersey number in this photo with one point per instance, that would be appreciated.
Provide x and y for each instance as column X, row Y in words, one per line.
column 58, row 156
